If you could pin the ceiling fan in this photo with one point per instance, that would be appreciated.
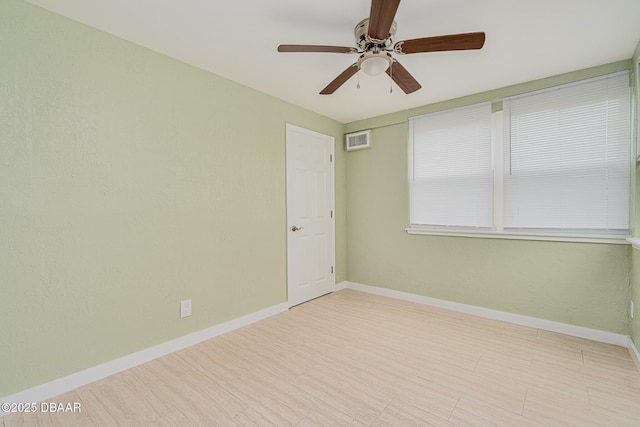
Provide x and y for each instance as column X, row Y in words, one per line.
column 374, row 38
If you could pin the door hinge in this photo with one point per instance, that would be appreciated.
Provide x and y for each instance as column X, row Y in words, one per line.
column 331, row 157
column 332, row 269
column 331, row 214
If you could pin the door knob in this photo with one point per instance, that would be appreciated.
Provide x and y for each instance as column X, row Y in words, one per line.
column 294, row 228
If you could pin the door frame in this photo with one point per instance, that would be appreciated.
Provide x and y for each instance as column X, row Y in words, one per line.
column 330, row 140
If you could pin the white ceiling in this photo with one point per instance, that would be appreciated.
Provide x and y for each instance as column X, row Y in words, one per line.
column 237, row 39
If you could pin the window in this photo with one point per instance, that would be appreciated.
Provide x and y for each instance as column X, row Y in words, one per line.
column 554, row 163
column 567, row 158
column 451, row 172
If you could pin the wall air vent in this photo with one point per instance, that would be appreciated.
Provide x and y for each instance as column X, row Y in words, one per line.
column 358, row 140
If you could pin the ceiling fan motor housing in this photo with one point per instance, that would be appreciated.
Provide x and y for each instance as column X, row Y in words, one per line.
column 365, row 43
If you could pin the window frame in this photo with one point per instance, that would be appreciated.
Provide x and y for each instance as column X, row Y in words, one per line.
column 635, row 126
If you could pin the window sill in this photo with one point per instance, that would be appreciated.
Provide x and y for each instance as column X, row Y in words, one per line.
column 579, row 238
column 635, row 242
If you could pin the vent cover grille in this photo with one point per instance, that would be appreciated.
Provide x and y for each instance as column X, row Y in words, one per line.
column 358, row 140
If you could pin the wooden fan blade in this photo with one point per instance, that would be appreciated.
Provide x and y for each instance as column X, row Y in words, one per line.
column 464, row 41
column 340, row 80
column 381, row 18
column 315, row 48
column 403, row 79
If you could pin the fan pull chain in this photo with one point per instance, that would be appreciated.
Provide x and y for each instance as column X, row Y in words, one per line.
column 358, row 86
column 391, row 81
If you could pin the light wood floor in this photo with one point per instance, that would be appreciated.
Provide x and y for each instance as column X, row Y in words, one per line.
column 351, row 358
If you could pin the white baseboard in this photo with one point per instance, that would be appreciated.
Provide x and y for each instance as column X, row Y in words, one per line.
column 633, row 351
column 547, row 325
column 62, row 385
column 340, row 286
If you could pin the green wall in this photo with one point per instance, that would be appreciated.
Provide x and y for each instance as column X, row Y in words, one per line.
column 577, row 283
column 130, row 181
column 635, row 297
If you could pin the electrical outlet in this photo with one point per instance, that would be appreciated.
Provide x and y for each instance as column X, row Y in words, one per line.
column 185, row 308
column 631, row 309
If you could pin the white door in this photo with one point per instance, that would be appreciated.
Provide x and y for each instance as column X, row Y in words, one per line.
column 310, row 215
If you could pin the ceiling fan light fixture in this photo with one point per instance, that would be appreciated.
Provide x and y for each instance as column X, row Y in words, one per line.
column 374, row 64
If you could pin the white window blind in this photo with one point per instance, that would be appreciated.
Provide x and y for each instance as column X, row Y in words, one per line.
column 567, row 157
column 451, row 174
